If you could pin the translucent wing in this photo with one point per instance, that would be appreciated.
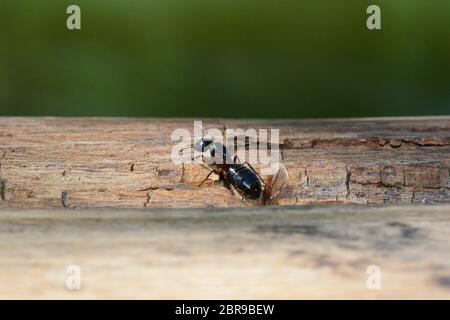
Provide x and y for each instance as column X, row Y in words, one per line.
column 275, row 184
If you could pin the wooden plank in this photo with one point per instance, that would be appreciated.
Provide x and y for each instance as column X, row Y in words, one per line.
column 265, row 252
column 116, row 162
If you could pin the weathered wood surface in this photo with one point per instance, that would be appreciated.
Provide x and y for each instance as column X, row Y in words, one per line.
column 114, row 162
column 266, row 252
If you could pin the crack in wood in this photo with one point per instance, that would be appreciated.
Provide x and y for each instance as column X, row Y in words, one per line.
column 307, row 177
column 183, row 173
column 371, row 142
column 3, row 189
column 64, row 199
column 413, row 198
column 404, row 176
column 347, row 182
column 149, row 195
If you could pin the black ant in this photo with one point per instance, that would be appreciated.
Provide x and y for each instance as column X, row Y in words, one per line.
column 241, row 177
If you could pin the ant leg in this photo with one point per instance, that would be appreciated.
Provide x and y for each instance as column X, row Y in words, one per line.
column 226, row 180
column 206, row 178
column 204, row 166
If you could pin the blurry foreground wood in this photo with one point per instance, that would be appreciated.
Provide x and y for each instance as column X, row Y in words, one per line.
column 264, row 252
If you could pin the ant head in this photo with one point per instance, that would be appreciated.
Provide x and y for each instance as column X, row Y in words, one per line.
column 202, row 144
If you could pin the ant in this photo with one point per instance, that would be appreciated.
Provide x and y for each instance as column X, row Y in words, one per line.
column 241, row 177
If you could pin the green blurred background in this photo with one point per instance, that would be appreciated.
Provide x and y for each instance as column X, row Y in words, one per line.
column 225, row 58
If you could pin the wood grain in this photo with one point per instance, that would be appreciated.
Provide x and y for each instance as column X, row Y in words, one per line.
column 116, row 162
column 261, row 252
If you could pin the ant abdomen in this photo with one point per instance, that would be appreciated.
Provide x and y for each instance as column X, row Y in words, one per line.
column 245, row 181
